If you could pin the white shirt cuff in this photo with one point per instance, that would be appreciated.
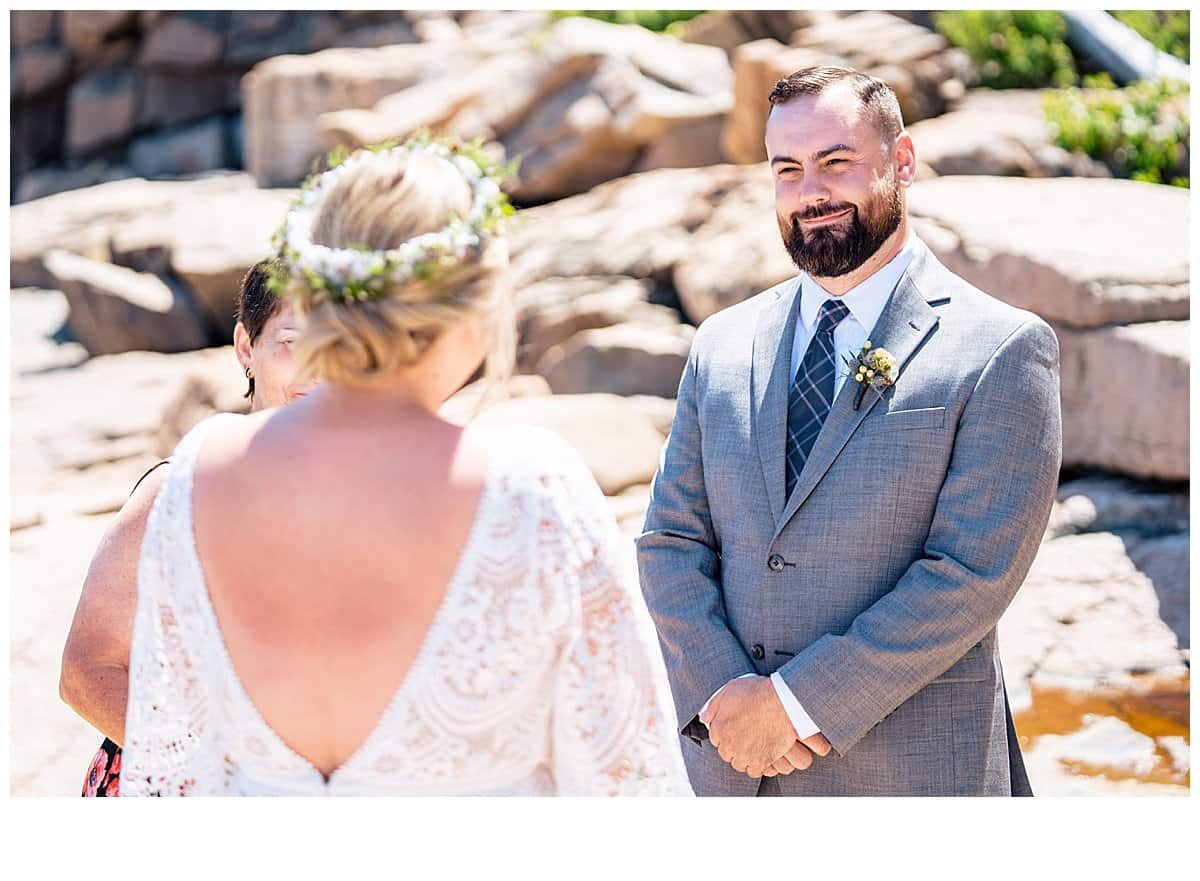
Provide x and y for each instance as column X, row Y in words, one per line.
column 801, row 721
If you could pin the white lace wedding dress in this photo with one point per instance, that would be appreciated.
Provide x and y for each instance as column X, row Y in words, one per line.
column 538, row 676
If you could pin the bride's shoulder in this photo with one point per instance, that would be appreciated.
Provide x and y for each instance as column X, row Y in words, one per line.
column 538, row 454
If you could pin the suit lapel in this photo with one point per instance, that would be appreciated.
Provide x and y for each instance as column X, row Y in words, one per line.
column 769, row 380
column 902, row 327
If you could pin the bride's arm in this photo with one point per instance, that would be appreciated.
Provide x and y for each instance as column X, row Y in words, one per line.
column 614, row 728
column 95, row 665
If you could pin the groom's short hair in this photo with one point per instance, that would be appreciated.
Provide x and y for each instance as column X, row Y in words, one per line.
column 876, row 96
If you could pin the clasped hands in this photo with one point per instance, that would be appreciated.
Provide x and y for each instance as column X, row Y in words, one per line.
column 752, row 732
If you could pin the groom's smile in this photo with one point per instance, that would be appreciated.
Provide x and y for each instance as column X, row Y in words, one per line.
column 826, row 219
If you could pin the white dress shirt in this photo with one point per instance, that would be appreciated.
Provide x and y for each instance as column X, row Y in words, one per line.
column 866, row 302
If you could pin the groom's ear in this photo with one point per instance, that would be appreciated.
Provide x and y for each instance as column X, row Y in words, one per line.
column 904, row 159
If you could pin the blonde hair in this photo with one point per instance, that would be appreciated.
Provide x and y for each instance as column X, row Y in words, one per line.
column 379, row 205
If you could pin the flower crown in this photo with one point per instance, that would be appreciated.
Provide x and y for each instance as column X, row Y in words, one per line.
column 355, row 274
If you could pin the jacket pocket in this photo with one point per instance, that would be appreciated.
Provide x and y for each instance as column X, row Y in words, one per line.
column 903, row 420
column 974, row 666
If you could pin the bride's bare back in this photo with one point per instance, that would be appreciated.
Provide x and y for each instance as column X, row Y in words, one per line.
column 328, row 536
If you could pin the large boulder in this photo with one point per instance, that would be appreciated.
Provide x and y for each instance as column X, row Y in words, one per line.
column 82, row 221
column 188, row 150
column 182, row 41
column 638, row 226
column 1125, row 398
column 688, row 68
column 28, row 27
column 629, row 508
column 171, row 97
column 625, row 359
column 998, row 132
column 285, row 95
column 43, row 182
column 692, row 143
column 469, row 401
column 710, row 232
column 596, row 125
column 730, row 29
column 550, row 312
column 119, row 53
column 1057, row 246
column 84, row 31
column 660, row 410
column 375, row 36
column 495, row 25
column 573, row 141
column 102, row 109
column 580, row 104
column 38, row 69
column 619, row 444
column 1084, row 267
column 485, row 101
column 114, row 309
column 208, row 243
column 298, row 33
column 36, row 131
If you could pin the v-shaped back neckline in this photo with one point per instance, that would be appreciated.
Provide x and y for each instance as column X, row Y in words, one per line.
column 187, row 463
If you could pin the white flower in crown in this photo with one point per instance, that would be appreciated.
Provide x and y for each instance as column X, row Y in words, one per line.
column 350, row 274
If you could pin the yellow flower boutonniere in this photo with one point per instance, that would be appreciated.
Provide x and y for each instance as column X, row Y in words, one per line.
column 871, row 368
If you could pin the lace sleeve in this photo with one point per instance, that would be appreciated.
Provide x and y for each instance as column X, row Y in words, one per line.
column 611, row 733
column 170, row 740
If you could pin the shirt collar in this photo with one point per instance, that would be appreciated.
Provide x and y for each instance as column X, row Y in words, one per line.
column 866, row 300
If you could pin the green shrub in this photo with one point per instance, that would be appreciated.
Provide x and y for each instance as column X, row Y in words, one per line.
column 1169, row 31
column 651, row 19
column 1141, row 132
column 1012, row 49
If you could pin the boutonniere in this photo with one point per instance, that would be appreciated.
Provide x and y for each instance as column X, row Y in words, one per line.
column 871, row 368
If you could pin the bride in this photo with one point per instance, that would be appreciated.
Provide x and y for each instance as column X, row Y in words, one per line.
column 351, row 596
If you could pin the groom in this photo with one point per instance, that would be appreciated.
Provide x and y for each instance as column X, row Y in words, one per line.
column 827, row 550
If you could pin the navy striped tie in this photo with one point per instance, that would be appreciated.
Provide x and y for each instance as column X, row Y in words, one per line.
column 811, row 393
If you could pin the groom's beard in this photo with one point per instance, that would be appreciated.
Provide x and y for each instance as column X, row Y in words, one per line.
column 827, row 252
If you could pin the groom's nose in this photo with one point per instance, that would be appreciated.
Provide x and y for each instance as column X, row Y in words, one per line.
column 812, row 191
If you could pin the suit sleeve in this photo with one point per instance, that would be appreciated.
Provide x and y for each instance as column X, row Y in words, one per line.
column 990, row 516
column 679, row 567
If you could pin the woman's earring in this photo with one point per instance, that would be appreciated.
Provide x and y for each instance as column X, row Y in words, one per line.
column 249, row 373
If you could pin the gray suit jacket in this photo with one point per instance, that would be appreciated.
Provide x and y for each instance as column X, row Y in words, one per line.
column 876, row 587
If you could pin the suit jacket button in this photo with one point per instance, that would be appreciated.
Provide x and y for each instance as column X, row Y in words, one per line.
column 758, row 651
column 775, row 563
